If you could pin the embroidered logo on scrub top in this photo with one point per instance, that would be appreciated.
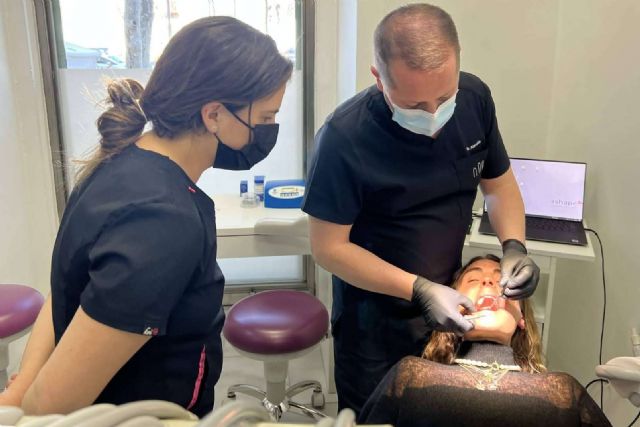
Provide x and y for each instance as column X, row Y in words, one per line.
column 477, row 170
column 149, row 331
column 474, row 145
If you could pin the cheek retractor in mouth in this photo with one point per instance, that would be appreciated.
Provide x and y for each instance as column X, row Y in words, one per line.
column 490, row 302
column 487, row 302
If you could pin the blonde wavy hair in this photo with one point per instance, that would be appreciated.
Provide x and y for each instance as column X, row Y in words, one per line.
column 443, row 347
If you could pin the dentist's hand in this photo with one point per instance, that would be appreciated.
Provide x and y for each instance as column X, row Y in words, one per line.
column 519, row 273
column 440, row 306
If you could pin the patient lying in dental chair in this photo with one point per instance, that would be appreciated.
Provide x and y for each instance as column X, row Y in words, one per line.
column 493, row 376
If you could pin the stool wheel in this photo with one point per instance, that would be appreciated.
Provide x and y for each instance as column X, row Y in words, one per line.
column 317, row 399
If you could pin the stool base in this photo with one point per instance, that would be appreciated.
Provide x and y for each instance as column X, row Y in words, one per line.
column 4, row 354
column 4, row 364
column 276, row 409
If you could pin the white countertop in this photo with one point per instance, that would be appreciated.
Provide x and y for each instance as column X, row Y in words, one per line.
column 232, row 219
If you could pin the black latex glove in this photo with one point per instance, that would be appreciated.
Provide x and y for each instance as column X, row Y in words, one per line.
column 519, row 273
column 440, row 306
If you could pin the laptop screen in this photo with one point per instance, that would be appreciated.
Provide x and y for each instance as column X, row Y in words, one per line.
column 551, row 189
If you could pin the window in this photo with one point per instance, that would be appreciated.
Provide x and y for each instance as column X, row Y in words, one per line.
column 101, row 39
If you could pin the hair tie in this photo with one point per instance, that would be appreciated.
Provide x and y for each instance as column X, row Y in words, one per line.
column 137, row 101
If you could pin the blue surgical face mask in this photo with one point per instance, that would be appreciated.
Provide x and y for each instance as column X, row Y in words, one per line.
column 262, row 140
column 423, row 122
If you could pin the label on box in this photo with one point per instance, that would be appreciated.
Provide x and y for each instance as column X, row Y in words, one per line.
column 287, row 192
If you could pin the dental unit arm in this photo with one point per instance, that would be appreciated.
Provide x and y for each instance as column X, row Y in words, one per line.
column 623, row 373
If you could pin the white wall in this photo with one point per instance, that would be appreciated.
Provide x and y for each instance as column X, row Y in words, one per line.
column 28, row 218
column 326, row 73
column 347, row 48
column 594, row 118
column 510, row 47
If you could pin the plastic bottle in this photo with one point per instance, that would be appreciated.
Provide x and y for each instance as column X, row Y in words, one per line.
column 244, row 187
column 258, row 187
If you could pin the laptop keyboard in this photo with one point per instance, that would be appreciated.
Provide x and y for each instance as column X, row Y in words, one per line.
column 551, row 224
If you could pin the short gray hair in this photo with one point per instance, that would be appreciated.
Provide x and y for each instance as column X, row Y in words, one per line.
column 420, row 34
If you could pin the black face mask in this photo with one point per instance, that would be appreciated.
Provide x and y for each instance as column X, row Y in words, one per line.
column 263, row 139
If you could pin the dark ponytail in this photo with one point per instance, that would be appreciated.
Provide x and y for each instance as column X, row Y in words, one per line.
column 120, row 125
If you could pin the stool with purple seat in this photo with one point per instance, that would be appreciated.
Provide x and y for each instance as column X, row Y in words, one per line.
column 275, row 327
column 19, row 308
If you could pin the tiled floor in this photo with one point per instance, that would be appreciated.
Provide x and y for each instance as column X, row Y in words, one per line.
column 239, row 369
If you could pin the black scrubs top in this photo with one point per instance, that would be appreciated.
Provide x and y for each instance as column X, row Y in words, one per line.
column 136, row 249
column 408, row 196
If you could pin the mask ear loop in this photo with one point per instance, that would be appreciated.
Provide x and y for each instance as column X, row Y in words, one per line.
column 251, row 128
column 216, row 133
column 248, row 125
column 242, row 121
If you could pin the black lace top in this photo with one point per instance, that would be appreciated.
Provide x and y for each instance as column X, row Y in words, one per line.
column 418, row 392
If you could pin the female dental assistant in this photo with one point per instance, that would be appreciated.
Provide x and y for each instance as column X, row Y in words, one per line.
column 136, row 292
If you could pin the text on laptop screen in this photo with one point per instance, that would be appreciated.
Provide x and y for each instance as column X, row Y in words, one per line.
column 551, row 189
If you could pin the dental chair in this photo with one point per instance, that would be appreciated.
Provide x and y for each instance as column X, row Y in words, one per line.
column 275, row 327
column 19, row 308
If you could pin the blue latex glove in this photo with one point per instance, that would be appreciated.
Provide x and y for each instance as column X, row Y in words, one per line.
column 440, row 306
column 519, row 273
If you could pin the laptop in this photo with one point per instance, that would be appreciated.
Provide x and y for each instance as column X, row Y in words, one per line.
column 553, row 195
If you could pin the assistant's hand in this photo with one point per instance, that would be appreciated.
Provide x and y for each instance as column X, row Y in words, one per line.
column 519, row 273
column 440, row 306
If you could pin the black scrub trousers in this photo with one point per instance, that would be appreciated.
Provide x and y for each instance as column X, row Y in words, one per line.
column 409, row 198
column 136, row 249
